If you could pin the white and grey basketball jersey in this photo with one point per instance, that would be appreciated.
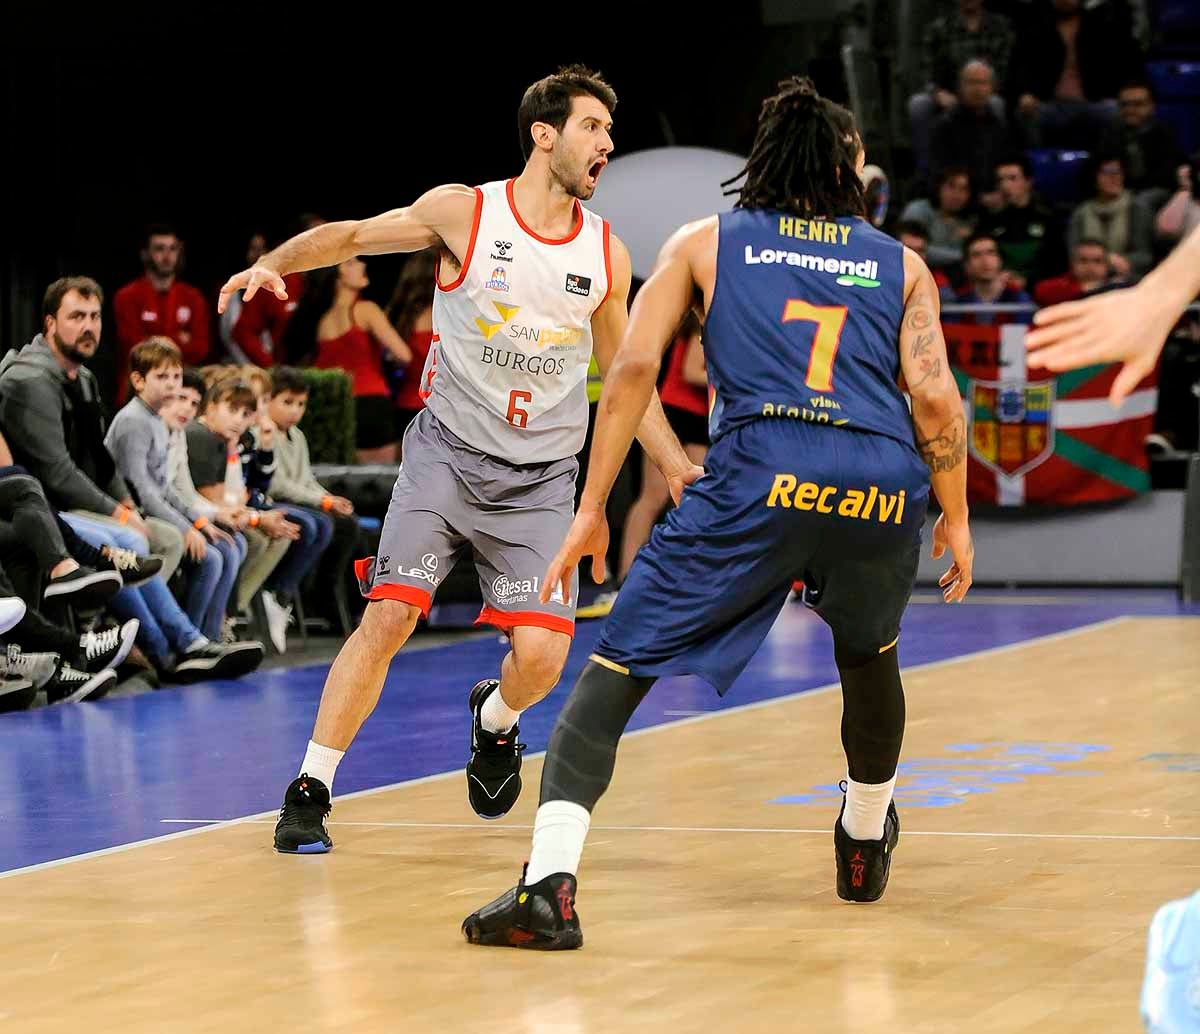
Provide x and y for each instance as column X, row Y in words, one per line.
column 507, row 370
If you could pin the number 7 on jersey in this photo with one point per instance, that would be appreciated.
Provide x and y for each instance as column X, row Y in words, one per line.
column 829, row 320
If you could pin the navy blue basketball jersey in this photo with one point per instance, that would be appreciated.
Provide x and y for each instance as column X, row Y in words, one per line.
column 804, row 324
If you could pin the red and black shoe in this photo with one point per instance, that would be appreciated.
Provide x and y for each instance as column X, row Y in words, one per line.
column 863, row 865
column 494, row 771
column 540, row 917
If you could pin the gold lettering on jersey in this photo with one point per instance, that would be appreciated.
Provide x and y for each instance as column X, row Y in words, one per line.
column 788, row 491
column 819, row 414
column 819, row 231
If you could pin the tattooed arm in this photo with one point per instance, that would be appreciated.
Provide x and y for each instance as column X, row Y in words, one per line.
column 941, row 427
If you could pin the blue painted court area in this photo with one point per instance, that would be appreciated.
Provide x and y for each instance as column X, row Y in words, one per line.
column 90, row 776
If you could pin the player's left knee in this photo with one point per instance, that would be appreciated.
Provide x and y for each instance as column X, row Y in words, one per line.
column 541, row 656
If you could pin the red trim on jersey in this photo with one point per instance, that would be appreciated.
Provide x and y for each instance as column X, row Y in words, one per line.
column 462, row 273
column 409, row 594
column 607, row 265
column 512, row 204
column 507, row 619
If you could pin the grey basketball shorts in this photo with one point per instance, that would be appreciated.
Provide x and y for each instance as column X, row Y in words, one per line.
column 450, row 498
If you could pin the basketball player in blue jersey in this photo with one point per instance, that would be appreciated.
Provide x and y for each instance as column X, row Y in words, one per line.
column 814, row 321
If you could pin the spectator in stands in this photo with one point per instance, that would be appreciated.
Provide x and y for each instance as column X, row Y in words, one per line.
column 684, row 395
column 1073, row 60
column 1181, row 215
column 1151, row 152
column 411, row 313
column 950, row 42
column 1030, row 235
column 159, row 303
column 138, row 439
column 257, row 329
column 971, row 134
column 303, row 496
column 230, row 407
column 55, row 426
column 949, row 224
column 987, row 284
column 1117, row 218
column 1088, row 273
column 335, row 329
column 913, row 234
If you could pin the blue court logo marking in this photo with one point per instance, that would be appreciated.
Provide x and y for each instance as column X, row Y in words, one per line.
column 1174, row 762
column 973, row 768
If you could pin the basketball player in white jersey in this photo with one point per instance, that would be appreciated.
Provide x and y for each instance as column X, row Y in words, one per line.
column 529, row 282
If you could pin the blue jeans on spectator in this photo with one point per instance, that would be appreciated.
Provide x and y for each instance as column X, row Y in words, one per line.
column 211, row 581
column 164, row 626
column 316, row 529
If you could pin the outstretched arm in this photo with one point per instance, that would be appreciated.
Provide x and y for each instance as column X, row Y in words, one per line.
column 609, row 325
column 442, row 216
column 1127, row 326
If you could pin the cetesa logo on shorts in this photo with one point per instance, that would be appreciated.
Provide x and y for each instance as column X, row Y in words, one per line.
column 849, row 274
column 519, row 590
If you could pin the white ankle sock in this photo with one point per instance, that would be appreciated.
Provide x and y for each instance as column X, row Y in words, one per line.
column 559, row 831
column 321, row 763
column 496, row 715
column 866, row 808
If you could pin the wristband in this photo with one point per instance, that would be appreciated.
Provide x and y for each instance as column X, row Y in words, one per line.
column 200, row 523
column 254, row 519
column 124, row 515
column 327, row 503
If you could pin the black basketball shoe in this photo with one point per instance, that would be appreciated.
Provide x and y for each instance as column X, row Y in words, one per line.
column 863, row 865
column 494, row 771
column 541, row 917
column 301, row 825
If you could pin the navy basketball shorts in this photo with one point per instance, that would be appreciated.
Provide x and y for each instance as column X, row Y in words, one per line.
column 781, row 500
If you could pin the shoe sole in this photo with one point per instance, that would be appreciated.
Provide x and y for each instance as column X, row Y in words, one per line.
column 94, row 689
column 515, row 937
column 109, row 582
column 240, row 659
column 317, row 848
column 16, row 694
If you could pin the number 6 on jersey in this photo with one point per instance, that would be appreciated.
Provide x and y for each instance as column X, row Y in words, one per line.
column 517, row 416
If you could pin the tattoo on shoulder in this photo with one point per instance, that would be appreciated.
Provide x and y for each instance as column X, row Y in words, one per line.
column 920, row 313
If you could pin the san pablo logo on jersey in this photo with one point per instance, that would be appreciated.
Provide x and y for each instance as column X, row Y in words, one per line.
column 848, row 273
column 580, row 285
column 502, row 249
column 498, row 281
column 1011, row 427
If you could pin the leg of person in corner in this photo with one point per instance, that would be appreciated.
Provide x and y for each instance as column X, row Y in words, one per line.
column 202, row 580
column 165, row 540
column 872, row 732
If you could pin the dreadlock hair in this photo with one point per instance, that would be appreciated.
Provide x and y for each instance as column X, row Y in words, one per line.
column 803, row 156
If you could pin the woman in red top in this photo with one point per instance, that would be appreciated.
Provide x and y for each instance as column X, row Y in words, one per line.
column 411, row 313
column 684, row 395
column 332, row 328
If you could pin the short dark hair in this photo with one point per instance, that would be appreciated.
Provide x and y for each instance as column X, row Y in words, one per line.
column 1090, row 242
column 913, row 228
column 1017, row 159
column 1137, row 82
column 152, row 353
column 53, row 298
column 233, row 390
column 194, row 379
column 949, row 173
column 549, row 100
column 288, row 378
column 975, row 237
column 159, row 230
column 803, row 157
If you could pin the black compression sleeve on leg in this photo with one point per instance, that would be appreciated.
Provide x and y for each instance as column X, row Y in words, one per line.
column 872, row 714
column 583, row 746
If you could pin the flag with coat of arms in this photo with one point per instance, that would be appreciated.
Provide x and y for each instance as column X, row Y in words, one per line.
column 1043, row 438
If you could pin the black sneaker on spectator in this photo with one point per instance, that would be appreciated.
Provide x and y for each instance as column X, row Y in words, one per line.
column 73, row 685
column 132, row 568
column 209, row 660
column 109, row 647
column 85, row 585
column 16, row 693
column 39, row 668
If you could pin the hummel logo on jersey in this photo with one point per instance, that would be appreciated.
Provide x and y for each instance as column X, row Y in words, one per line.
column 501, row 254
column 580, row 285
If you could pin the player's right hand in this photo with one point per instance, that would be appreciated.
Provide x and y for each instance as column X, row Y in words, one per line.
column 957, row 536
column 251, row 280
column 588, row 537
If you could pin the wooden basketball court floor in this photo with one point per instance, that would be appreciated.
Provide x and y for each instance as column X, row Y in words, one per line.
column 1049, row 800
